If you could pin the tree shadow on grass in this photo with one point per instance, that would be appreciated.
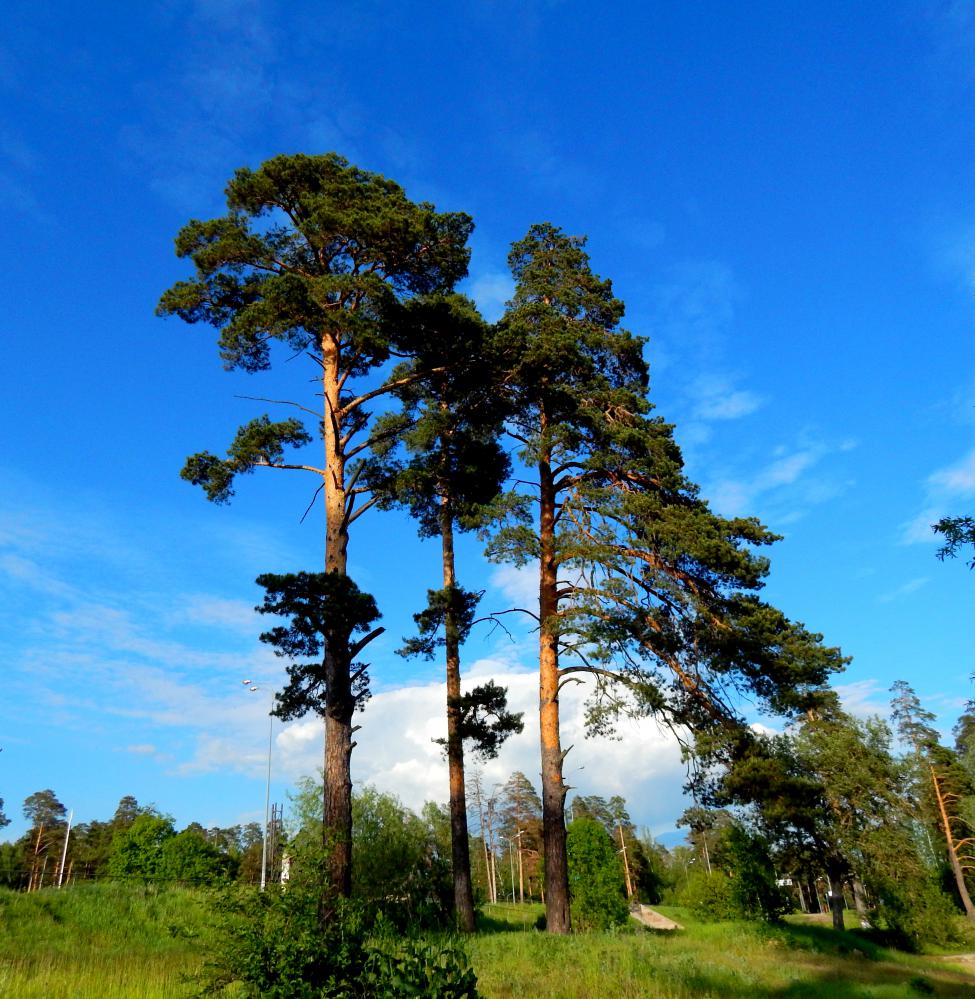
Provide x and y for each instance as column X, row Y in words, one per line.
column 512, row 922
column 826, row 965
column 834, row 983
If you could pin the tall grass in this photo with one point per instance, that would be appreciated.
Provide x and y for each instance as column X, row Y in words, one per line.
column 706, row 961
column 121, row 942
column 101, row 941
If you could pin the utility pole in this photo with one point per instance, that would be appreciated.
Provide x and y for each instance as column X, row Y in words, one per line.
column 475, row 782
column 64, row 852
column 511, row 857
column 521, row 869
column 626, row 862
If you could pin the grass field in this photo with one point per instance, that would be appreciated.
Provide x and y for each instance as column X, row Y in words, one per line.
column 117, row 942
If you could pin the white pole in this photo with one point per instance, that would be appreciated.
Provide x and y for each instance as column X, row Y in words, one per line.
column 64, row 852
column 511, row 857
column 267, row 801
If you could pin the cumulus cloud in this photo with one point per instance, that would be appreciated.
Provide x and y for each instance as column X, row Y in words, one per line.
column 518, row 583
column 396, row 750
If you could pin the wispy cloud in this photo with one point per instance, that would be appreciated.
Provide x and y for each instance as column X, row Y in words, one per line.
column 864, row 698
column 718, row 399
column 904, row 590
column 784, row 483
column 942, row 489
column 492, row 290
column 207, row 115
column 694, row 308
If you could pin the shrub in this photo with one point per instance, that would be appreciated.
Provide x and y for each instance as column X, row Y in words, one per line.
column 398, row 866
column 275, row 945
column 911, row 914
column 189, row 858
column 596, row 887
column 410, row 968
column 711, row 897
column 753, row 879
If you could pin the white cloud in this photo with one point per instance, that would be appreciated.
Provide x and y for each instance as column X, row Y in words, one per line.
column 518, row 583
column 905, row 590
column 396, row 751
column 942, row 489
column 142, row 749
column 783, row 479
column 234, row 615
column 863, row 698
column 718, row 399
column 957, row 479
column 492, row 291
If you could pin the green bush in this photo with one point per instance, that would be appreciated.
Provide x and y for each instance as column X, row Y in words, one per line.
column 596, row 886
column 753, row 879
column 912, row 914
column 410, row 968
column 400, row 867
column 275, row 945
column 711, row 897
column 748, row 892
column 188, row 858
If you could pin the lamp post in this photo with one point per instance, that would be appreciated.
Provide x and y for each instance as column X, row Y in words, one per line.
column 253, row 688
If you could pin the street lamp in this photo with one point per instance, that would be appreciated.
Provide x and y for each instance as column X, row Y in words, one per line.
column 253, row 688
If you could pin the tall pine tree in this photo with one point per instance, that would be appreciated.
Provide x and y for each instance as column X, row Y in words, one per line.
column 642, row 588
column 450, row 467
column 313, row 255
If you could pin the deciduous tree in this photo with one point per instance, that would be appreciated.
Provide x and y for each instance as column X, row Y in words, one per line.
column 957, row 533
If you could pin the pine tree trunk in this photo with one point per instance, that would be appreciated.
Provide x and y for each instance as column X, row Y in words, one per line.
column 337, row 816
column 836, row 900
column 459, row 843
column 956, row 867
column 815, row 906
column 553, row 787
column 337, row 799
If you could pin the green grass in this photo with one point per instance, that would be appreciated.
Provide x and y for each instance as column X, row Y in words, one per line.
column 705, row 961
column 101, row 942
column 116, row 942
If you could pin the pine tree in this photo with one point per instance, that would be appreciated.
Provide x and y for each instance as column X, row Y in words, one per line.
column 313, row 255
column 646, row 590
column 944, row 777
column 451, row 467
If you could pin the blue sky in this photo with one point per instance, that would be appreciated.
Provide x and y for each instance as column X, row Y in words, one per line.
column 783, row 195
